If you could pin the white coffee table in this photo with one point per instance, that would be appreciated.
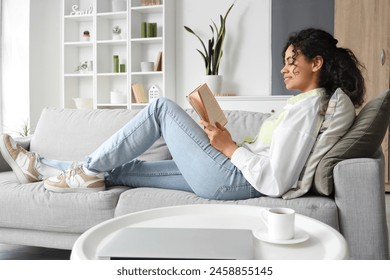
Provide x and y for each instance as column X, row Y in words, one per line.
column 324, row 242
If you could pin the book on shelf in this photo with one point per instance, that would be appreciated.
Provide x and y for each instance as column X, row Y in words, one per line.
column 206, row 106
column 139, row 93
column 150, row 2
column 158, row 64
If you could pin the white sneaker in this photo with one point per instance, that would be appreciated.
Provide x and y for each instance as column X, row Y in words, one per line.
column 76, row 180
column 22, row 162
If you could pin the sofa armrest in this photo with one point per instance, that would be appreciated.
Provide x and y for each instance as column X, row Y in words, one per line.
column 24, row 142
column 360, row 198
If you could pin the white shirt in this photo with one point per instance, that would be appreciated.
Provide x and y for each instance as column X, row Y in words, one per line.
column 272, row 164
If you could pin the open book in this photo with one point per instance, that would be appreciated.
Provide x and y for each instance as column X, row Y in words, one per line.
column 206, row 106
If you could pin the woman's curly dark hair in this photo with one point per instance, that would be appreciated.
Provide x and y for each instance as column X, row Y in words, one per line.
column 341, row 68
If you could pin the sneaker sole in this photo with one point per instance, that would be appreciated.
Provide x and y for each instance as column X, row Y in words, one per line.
column 72, row 190
column 11, row 162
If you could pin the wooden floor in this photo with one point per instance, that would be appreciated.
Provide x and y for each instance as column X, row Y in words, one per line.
column 17, row 252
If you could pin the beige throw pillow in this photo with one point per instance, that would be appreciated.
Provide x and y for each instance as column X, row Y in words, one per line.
column 339, row 117
column 362, row 140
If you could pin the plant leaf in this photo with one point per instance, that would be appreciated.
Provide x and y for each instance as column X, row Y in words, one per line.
column 212, row 30
column 206, row 62
column 213, row 54
column 228, row 11
column 215, row 26
column 201, row 41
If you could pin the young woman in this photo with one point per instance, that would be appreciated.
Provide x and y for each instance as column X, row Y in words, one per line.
column 219, row 168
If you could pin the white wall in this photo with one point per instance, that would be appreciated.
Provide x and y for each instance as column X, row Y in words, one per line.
column 45, row 56
column 32, row 55
column 15, row 60
column 246, row 64
column 31, row 58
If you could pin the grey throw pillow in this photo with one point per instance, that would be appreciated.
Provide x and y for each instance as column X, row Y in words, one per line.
column 361, row 141
column 339, row 117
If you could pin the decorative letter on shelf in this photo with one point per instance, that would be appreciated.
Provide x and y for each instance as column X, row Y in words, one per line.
column 76, row 12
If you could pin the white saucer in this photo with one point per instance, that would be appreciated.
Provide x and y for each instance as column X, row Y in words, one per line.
column 299, row 237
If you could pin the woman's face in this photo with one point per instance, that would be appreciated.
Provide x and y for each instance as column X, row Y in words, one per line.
column 300, row 73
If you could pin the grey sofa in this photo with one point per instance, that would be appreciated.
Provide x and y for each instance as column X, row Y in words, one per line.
column 31, row 215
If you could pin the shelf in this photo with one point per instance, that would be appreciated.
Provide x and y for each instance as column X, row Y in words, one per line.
column 154, row 40
column 101, row 48
column 147, row 73
column 79, row 75
column 111, row 74
column 113, row 15
column 80, row 44
column 148, row 9
column 113, row 42
column 78, row 18
column 124, row 105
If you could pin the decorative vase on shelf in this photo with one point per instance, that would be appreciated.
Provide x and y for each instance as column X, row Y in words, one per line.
column 214, row 82
column 116, row 64
column 116, row 33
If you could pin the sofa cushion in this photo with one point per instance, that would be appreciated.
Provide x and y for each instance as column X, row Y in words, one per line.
column 31, row 206
column 339, row 117
column 321, row 208
column 240, row 123
column 72, row 134
column 59, row 131
column 361, row 141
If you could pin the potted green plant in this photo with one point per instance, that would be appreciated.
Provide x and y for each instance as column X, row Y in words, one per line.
column 212, row 54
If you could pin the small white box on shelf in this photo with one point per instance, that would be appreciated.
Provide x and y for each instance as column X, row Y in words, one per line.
column 116, row 97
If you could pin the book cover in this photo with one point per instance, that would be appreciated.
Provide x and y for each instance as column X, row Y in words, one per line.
column 206, row 106
column 139, row 93
column 158, row 63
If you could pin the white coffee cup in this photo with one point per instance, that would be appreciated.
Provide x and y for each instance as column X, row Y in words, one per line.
column 280, row 222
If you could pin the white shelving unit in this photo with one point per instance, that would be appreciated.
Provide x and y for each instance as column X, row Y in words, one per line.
column 98, row 18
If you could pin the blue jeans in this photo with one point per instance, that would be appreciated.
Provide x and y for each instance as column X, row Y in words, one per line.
column 196, row 166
